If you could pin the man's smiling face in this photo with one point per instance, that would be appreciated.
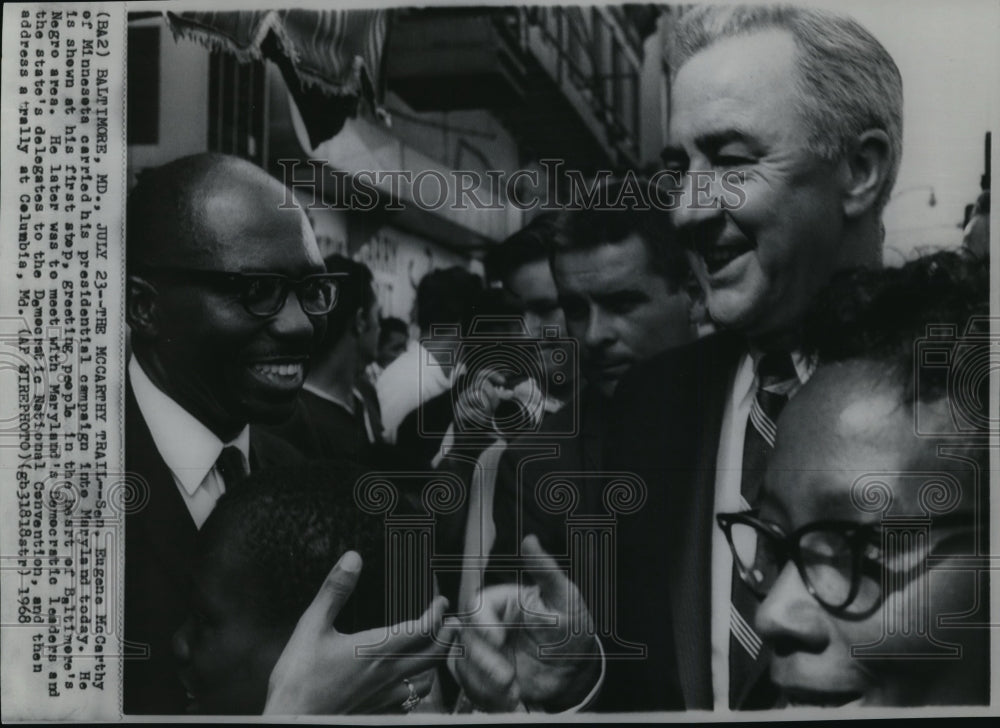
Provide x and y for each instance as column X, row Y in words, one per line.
column 223, row 364
column 736, row 109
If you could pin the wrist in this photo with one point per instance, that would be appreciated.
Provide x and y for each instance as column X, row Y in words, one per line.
column 583, row 678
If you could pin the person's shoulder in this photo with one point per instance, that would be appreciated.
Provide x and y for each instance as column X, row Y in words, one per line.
column 667, row 380
column 319, row 409
column 698, row 358
column 272, row 451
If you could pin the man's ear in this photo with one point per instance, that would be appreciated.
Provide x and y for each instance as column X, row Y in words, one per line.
column 866, row 170
column 141, row 307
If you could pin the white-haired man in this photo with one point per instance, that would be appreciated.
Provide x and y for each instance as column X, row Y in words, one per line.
column 807, row 106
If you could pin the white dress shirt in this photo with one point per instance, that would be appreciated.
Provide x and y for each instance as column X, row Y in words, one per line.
column 188, row 448
column 728, row 499
column 411, row 380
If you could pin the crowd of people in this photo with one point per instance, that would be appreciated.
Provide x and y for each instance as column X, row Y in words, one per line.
column 731, row 392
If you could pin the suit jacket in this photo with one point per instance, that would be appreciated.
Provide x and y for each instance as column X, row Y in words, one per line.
column 516, row 509
column 421, row 432
column 667, row 420
column 159, row 548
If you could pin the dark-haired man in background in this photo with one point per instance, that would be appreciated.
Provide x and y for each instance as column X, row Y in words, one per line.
column 619, row 277
column 393, row 337
column 337, row 415
column 445, row 298
column 620, row 281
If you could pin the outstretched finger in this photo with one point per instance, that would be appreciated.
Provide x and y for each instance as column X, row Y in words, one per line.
column 487, row 676
column 496, row 610
column 332, row 595
column 552, row 581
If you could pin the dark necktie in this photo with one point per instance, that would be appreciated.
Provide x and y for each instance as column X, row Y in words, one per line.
column 776, row 378
column 230, row 467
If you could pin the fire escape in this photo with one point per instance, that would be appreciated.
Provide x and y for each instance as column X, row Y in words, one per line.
column 564, row 80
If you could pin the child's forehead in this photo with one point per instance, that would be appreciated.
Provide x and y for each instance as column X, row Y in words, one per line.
column 848, row 427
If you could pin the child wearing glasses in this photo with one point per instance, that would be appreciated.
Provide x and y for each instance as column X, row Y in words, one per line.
column 873, row 518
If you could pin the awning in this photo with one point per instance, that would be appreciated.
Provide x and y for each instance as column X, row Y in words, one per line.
column 330, row 59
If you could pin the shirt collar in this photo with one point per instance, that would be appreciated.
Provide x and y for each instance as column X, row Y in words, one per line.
column 187, row 447
column 746, row 376
column 313, row 389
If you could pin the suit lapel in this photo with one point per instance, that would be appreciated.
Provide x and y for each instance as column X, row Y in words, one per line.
column 691, row 596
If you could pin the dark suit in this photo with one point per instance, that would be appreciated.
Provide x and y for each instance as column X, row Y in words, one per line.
column 667, row 423
column 159, row 548
column 419, row 436
column 516, row 510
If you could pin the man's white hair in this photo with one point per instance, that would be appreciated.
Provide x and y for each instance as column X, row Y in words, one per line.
column 848, row 82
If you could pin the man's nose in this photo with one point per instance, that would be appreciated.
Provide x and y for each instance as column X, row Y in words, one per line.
column 698, row 201
column 292, row 322
column 790, row 619
column 599, row 331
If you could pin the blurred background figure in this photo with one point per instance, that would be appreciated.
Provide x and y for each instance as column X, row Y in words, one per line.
column 622, row 282
column 976, row 236
column 520, row 266
column 446, row 301
column 620, row 278
column 393, row 337
column 337, row 414
column 487, row 366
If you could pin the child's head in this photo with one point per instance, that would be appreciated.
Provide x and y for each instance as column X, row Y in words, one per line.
column 851, row 615
column 261, row 558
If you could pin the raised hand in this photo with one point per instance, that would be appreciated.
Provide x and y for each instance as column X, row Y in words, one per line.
column 322, row 671
column 529, row 645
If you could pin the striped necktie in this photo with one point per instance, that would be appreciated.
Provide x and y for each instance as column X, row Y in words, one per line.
column 776, row 378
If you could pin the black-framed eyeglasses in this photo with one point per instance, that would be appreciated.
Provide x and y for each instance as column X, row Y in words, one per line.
column 263, row 294
column 841, row 563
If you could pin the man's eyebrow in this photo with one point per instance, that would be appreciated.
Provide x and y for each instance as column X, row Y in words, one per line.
column 715, row 139
column 707, row 141
column 622, row 294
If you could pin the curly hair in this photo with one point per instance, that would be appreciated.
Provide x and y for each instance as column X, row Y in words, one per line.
column 881, row 315
column 283, row 530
